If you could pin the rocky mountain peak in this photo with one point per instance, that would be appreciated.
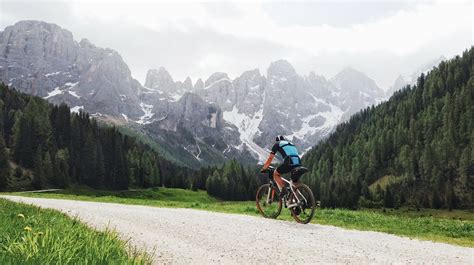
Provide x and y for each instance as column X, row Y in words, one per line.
column 199, row 84
column 188, row 84
column 350, row 78
column 218, row 89
column 216, row 77
column 355, row 91
column 281, row 68
column 46, row 28
column 349, row 73
column 43, row 59
column 159, row 79
column 313, row 77
column 85, row 43
column 37, row 41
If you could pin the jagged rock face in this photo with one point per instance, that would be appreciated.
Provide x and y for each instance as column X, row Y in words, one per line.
column 159, row 91
column 196, row 123
column 256, row 109
column 43, row 59
column 290, row 106
column 188, row 85
column 355, row 91
column 322, row 88
column 194, row 114
column 160, row 80
column 199, row 84
column 285, row 92
column 218, row 89
column 249, row 89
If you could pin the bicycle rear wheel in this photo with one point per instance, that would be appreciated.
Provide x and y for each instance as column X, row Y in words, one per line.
column 306, row 205
column 268, row 201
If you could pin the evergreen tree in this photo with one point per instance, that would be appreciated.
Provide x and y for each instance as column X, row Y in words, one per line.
column 61, row 169
column 19, row 180
column 100, row 166
column 388, row 198
column 38, row 181
column 48, row 169
column 4, row 164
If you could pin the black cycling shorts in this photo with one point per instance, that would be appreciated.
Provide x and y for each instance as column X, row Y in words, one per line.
column 286, row 167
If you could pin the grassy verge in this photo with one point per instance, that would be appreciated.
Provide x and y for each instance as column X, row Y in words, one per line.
column 439, row 227
column 30, row 235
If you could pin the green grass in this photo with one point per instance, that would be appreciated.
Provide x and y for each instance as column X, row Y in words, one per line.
column 31, row 235
column 436, row 213
column 441, row 226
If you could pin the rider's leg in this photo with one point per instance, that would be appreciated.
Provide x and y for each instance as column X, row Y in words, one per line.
column 278, row 180
column 282, row 169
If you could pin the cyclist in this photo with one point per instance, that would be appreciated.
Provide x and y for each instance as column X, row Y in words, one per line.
column 291, row 159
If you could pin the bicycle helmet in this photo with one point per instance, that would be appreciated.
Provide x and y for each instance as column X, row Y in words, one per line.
column 280, row 138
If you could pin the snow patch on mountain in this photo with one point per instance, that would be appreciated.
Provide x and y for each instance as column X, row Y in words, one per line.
column 76, row 109
column 331, row 119
column 56, row 91
column 53, row 73
column 70, row 84
column 74, row 94
column 248, row 128
column 145, row 118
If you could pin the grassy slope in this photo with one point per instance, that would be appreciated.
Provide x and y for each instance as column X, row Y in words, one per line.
column 30, row 235
column 441, row 226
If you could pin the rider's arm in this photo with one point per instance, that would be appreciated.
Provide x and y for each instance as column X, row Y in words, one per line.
column 270, row 158
column 269, row 161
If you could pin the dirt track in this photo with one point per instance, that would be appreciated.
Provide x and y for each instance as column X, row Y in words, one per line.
column 193, row 236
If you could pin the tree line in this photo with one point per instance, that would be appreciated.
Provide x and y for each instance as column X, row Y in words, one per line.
column 44, row 145
column 415, row 149
column 232, row 181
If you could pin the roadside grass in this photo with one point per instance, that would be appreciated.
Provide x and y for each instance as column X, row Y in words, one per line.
column 436, row 213
column 31, row 235
column 455, row 227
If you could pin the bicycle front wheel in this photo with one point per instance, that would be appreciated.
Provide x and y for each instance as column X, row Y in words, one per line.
column 268, row 201
column 303, row 198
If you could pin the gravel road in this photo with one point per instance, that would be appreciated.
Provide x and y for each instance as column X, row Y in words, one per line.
column 193, row 236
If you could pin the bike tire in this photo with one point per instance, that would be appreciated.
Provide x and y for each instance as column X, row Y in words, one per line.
column 273, row 209
column 300, row 213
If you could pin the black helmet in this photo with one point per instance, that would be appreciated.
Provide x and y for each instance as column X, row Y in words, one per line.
column 280, row 138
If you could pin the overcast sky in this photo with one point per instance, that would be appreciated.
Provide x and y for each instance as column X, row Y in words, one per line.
column 381, row 38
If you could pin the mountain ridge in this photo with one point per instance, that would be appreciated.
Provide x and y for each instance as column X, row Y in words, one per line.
column 240, row 114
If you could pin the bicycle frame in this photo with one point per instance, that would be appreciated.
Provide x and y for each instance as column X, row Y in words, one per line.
column 292, row 188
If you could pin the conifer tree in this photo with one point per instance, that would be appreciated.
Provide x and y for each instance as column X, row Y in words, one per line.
column 38, row 170
column 48, row 169
column 4, row 164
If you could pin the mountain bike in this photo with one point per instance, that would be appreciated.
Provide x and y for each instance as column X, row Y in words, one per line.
column 299, row 198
